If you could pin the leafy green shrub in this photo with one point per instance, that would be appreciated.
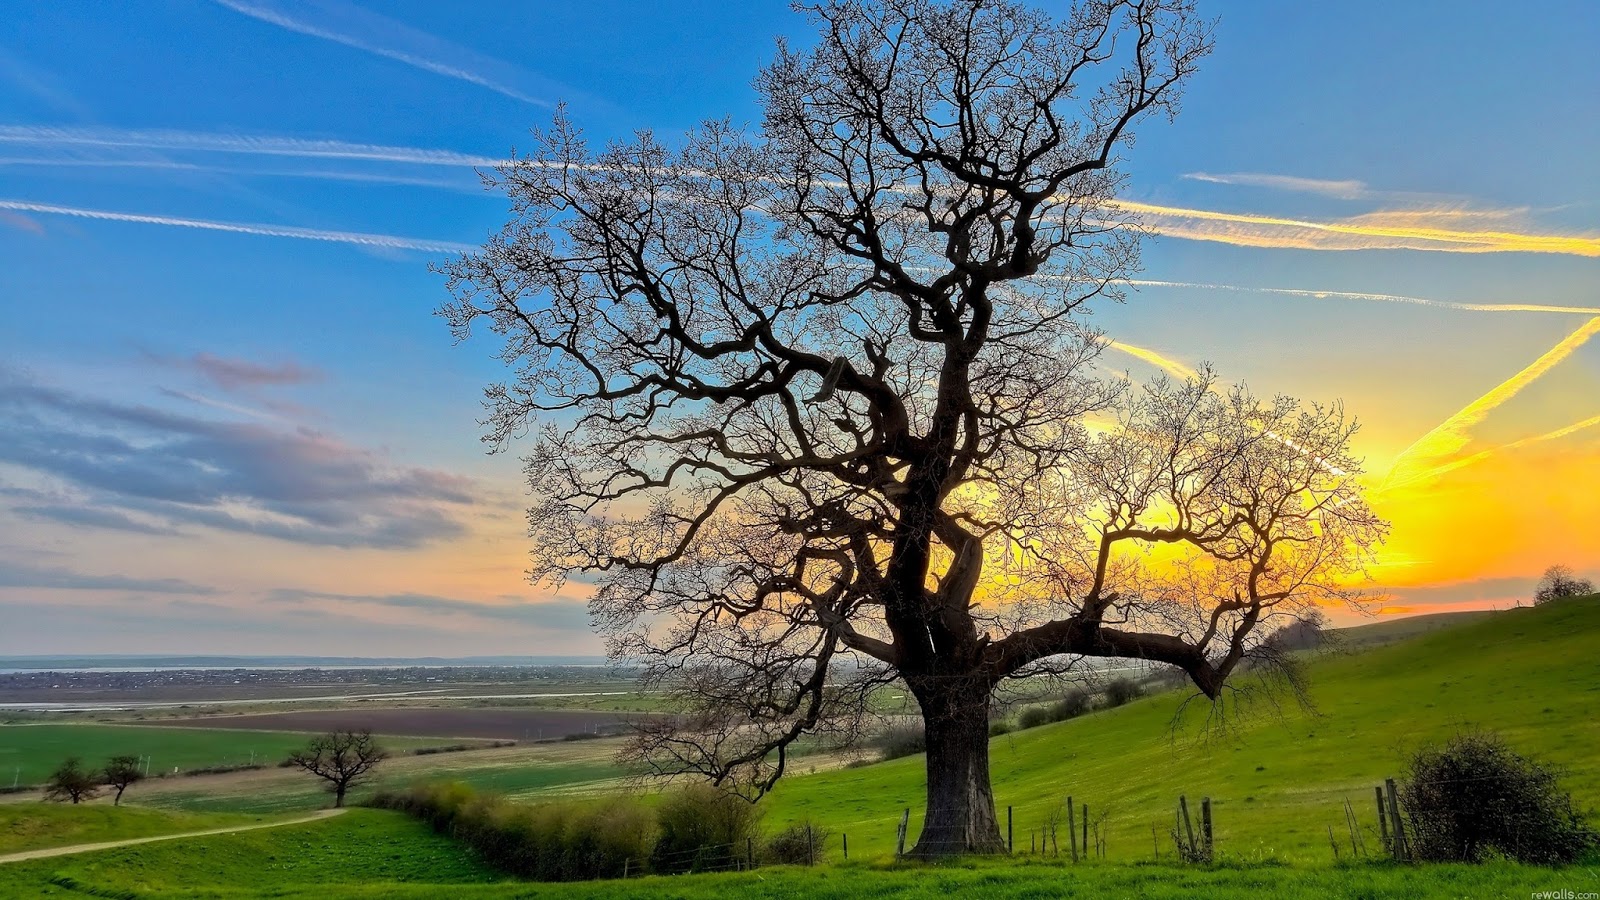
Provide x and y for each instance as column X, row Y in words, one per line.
column 702, row 828
column 549, row 842
column 1071, row 705
column 1121, row 691
column 998, row 727
column 803, row 844
column 1475, row 795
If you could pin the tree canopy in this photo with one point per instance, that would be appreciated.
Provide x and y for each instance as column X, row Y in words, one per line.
column 817, row 406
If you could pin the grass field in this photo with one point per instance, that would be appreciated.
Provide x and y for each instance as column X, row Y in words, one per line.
column 40, row 825
column 372, row 854
column 1277, row 783
column 521, row 772
column 28, row 753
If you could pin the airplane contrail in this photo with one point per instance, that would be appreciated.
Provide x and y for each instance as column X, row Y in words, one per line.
column 258, row 145
column 387, row 241
column 1449, row 436
column 1481, row 455
column 424, row 53
column 1171, row 366
column 1385, row 298
column 1382, row 230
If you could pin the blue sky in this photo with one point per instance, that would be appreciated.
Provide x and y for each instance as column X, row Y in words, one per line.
column 233, row 423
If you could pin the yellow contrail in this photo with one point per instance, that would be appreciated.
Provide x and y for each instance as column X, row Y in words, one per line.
column 1171, row 366
column 1481, row 455
column 1451, row 434
column 1367, row 232
column 1367, row 295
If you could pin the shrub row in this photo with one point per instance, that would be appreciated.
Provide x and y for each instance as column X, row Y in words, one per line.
column 695, row 829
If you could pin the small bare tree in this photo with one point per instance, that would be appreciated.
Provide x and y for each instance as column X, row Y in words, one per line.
column 71, row 782
column 818, row 410
column 1559, row 583
column 341, row 758
column 120, row 773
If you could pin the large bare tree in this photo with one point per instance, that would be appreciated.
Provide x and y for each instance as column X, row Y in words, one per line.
column 815, row 407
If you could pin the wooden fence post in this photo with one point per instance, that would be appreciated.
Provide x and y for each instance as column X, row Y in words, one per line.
column 1383, row 820
column 1085, row 831
column 811, row 846
column 1205, row 824
column 1072, row 829
column 750, row 853
column 1188, row 827
column 905, row 822
column 846, row 839
column 1401, row 849
column 1010, row 847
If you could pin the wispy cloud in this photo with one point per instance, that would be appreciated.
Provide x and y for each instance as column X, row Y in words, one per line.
column 352, row 26
column 166, row 470
column 1440, row 230
column 378, row 241
column 560, row 613
column 20, row 575
column 1343, row 190
column 1384, row 298
column 1420, row 461
column 232, row 374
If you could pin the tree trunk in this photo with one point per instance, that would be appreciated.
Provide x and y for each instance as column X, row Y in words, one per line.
column 338, row 794
column 960, row 816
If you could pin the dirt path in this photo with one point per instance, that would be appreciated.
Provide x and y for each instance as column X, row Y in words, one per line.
column 108, row 845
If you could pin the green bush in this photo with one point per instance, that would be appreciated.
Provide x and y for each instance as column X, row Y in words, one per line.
column 1071, row 705
column 1475, row 796
column 703, row 829
column 1121, row 691
column 549, row 842
column 803, row 844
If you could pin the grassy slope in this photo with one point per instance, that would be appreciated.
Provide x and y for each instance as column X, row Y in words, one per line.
column 29, row 752
column 1277, row 783
column 35, row 826
column 363, row 853
column 1386, row 631
column 371, row 854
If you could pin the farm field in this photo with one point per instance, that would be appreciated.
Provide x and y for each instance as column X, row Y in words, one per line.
column 373, row 854
column 28, row 753
column 1277, row 777
column 521, row 772
column 516, row 724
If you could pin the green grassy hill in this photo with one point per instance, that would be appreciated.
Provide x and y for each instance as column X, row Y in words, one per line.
column 1277, row 781
column 1372, row 634
column 371, row 854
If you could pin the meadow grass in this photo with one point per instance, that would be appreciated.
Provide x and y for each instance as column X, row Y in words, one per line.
column 1277, row 777
column 36, row 826
column 370, row 854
